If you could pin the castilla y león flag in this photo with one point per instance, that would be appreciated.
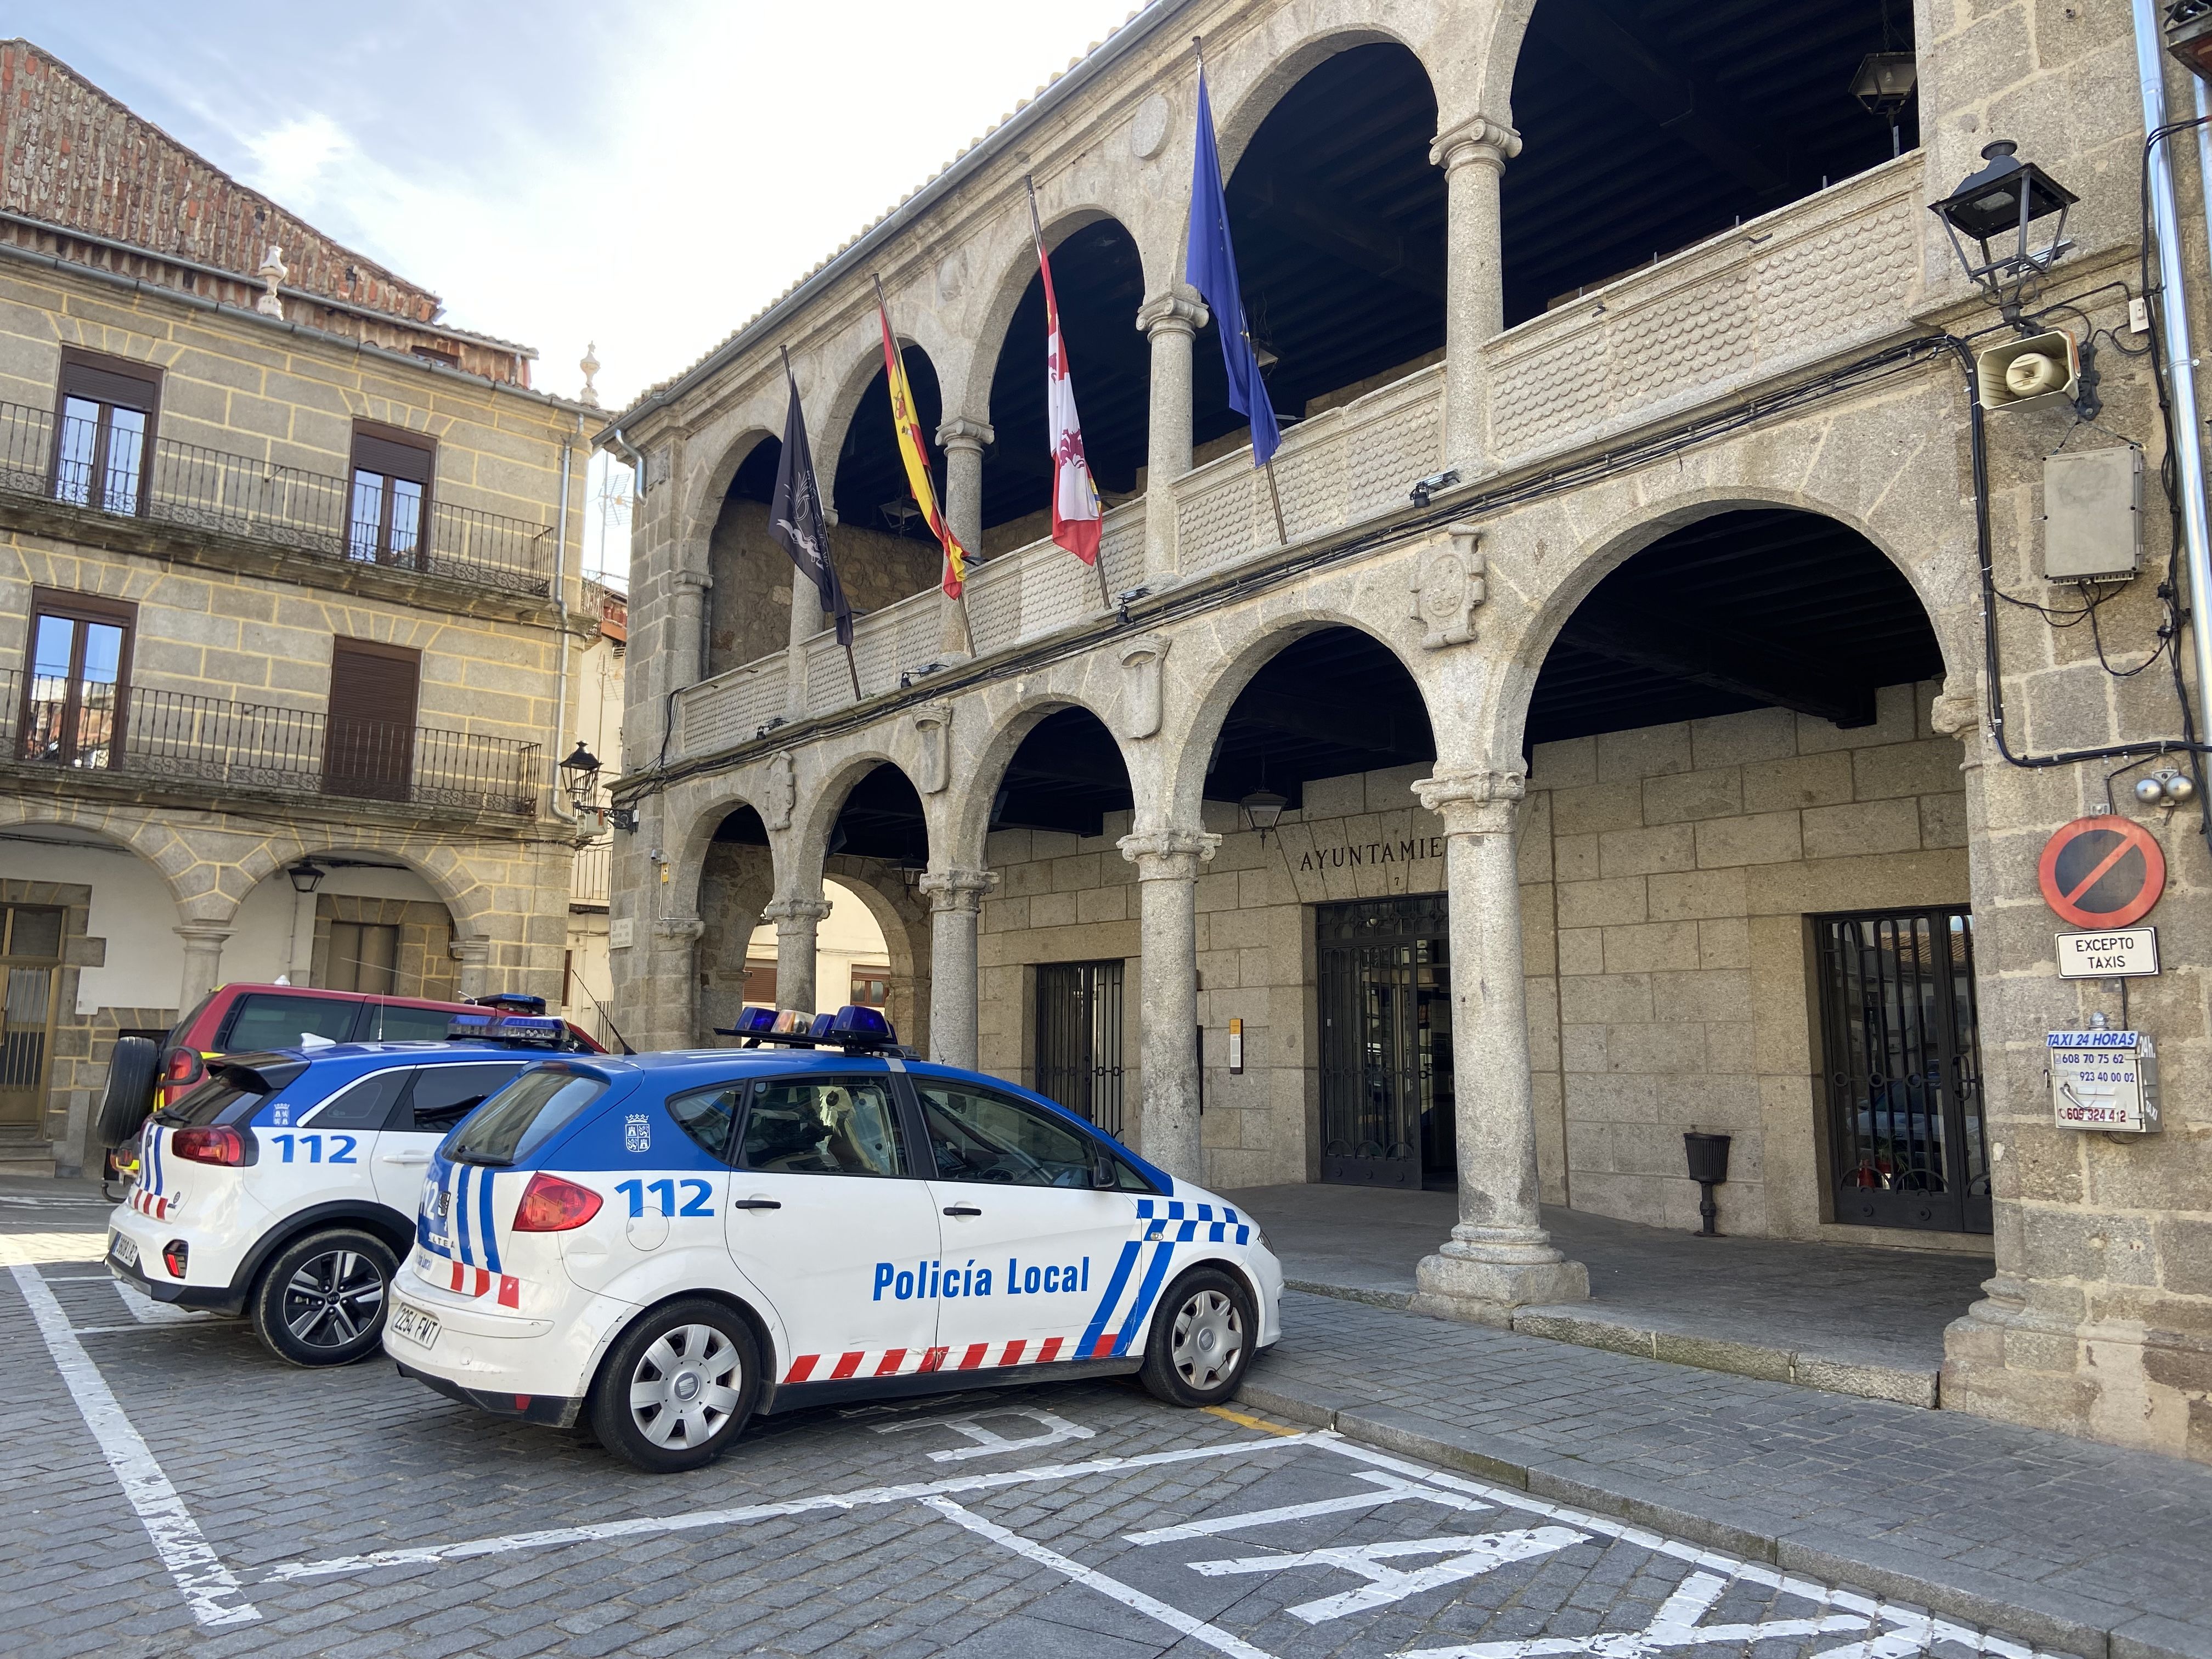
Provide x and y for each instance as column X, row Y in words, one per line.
column 915, row 454
column 1075, row 505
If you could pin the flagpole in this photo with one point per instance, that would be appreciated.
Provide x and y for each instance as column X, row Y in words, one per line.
column 1275, row 498
column 1036, row 229
column 967, row 627
column 852, row 667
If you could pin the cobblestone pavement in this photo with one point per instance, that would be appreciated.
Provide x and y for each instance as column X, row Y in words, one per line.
column 352, row 1513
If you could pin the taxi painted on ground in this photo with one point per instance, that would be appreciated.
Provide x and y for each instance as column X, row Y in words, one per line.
column 283, row 1185
column 660, row 1246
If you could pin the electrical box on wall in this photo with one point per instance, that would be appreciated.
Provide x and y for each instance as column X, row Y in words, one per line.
column 2091, row 514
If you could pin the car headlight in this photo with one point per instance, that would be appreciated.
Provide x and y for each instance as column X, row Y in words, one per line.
column 1264, row 1244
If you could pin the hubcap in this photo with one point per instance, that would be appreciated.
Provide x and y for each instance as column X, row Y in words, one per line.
column 1209, row 1338
column 333, row 1299
column 685, row 1386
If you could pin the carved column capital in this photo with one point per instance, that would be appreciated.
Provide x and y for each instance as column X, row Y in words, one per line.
column 788, row 914
column 679, row 930
column 1476, row 142
column 957, row 889
column 204, row 937
column 1958, row 709
column 961, row 432
column 698, row 581
column 1473, row 803
column 1178, row 311
column 1167, row 854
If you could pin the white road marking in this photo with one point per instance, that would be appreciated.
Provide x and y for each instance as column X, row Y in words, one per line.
column 1675, row 1626
column 1174, row 1618
column 1472, row 1555
column 1911, row 1630
column 205, row 1583
column 147, row 1311
column 989, row 1442
column 432, row 1554
column 1396, row 1492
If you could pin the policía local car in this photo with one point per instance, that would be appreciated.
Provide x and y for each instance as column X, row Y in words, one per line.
column 664, row 1244
column 283, row 1184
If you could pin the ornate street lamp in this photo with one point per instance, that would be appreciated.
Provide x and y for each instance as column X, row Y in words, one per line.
column 1263, row 810
column 306, row 876
column 1994, row 209
column 1884, row 85
column 579, row 776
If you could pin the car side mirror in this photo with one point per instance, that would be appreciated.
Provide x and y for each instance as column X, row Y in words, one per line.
column 1101, row 1170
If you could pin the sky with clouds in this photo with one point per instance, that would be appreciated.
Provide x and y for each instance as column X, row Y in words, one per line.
column 644, row 176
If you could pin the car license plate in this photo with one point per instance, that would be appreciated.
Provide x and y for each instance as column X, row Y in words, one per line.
column 125, row 1250
column 415, row 1325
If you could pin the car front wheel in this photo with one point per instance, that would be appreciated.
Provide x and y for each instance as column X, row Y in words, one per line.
column 321, row 1301
column 679, row 1387
column 1201, row 1340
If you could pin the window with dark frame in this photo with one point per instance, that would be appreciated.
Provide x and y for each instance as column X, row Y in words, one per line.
column 389, row 504
column 364, row 955
column 105, row 410
column 369, row 747
column 77, row 679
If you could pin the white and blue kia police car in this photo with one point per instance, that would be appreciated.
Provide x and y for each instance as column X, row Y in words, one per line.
column 283, row 1185
column 663, row 1245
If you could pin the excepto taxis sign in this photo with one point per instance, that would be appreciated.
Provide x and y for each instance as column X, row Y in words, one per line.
column 2103, row 1079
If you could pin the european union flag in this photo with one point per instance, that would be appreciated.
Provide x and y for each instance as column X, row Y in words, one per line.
column 1211, row 268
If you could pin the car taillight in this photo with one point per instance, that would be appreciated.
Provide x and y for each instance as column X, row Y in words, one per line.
column 184, row 1065
column 550, row 1205
column 221, row 1144
column 176, row 1256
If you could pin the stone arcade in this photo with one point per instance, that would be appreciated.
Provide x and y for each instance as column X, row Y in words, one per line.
column 1639, row 779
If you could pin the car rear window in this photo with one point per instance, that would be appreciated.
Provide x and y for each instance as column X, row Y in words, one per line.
column 176, row 1036
column 518, row 1120
column 242, row 1085
column 265, row 1019
column 444, row 1095
column 392, row 1023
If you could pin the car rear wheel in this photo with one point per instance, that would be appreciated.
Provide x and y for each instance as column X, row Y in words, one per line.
column 321, row 1300
column 1201, row 1340
column 679, row 1387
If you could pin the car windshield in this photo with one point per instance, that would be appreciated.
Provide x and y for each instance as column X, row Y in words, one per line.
column 226, row 1085
column 518, row 1120
column 264, row 1020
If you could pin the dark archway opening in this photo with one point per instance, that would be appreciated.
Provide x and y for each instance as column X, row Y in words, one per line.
column 1760, row 608
column 1328, row 705
column 743, row 623
column 742, row 828
column 882, row 818
column 1338, row 220
column 883, row 546
column 737, row 879
column 1099, row 281
column 1067, row 775
column 1646, row 128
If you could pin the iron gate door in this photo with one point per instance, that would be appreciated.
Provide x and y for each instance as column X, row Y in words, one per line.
column 30, row 965
column 1078, row 1039
column 1907, row 1139
column 1386, row 1058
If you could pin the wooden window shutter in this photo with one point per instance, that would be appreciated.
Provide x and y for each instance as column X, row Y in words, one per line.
column 394, row 455
column 110, row 381
column 371, row 682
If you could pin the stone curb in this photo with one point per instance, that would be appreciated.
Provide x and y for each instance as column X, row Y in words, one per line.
column 2070, row 1622
column 1866, row 1380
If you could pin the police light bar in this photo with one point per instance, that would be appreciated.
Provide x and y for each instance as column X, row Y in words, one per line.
column 535, row 1030
column 859, row 1027
column 511, row 1002
column 851, row 1028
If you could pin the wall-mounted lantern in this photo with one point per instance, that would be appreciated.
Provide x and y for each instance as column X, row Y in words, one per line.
column 1994, row 209
column 1884, row 86
column 1263, row 810
column 306, row 876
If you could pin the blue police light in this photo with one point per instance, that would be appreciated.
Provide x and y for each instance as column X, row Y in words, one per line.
column 821, row 1027
column 754, row 1021
column 512, row 1002
column 535, row 1030
column 860, row 1027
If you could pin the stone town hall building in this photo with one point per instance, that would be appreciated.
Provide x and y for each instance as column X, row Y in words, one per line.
column 1607, row 748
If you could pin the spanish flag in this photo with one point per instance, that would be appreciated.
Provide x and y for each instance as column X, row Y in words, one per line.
column 915, row 454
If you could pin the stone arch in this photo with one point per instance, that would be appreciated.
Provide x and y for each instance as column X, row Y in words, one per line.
column 861, row 349
column 982, row 768
column 1183, row 792
column 702, row 506
column 802, row 852
column 465, row 898
column 1501, row 58
column 995, row 313
column 1524, row 643
column 903, row 919
column 1253, row 94
column 161, row 847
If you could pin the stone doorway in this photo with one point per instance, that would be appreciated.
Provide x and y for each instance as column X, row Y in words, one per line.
column 1386, row 1056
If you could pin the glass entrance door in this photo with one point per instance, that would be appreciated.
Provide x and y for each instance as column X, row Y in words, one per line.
column 1078, row 1039
column 1907, row 1146
column 1386, row 1058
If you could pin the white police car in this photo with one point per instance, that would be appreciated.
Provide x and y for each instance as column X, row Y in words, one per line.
column 283, row 1186
column 665, row 1244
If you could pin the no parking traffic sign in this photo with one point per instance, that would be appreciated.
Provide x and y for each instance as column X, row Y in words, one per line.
column 2102, row 872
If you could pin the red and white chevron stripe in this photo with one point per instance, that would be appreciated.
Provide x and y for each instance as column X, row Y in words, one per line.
column 147, row 1203
column 906, row 1362
column 479, row 1281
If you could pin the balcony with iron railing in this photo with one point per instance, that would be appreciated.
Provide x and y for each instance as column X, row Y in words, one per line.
column 195, row 745
column 187, row 486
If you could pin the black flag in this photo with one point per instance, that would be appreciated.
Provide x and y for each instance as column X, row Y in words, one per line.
column 795, row 518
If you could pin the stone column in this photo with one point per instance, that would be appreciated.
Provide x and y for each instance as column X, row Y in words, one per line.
column 1473, row 155
column 964, row 441
column 796, row 920
column 474, row 954
column 1168, row 863
column 671, row 993
column 687, row 626
column 1169, row 320
column 956, row 896
column 1498, row 1257
column 204, row 943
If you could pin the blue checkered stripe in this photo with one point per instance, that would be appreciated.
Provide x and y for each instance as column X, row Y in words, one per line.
column 1185, row 1223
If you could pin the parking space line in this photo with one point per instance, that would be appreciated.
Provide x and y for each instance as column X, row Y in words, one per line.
column 1174, row 1618
column 206, row 1584
column 434, row 1555
column 1395, row 1491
